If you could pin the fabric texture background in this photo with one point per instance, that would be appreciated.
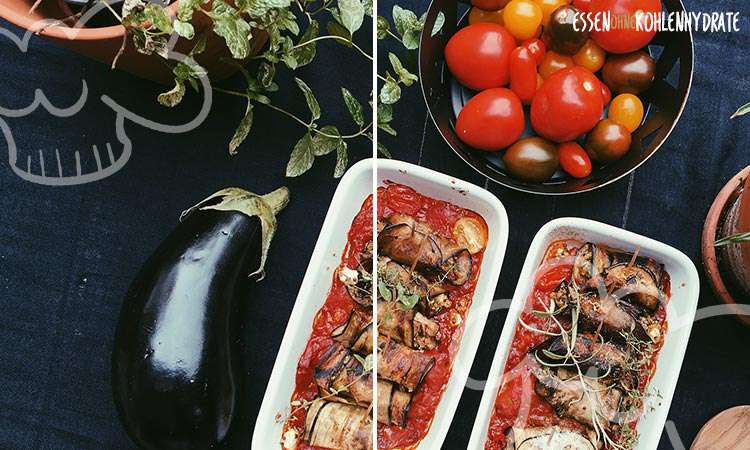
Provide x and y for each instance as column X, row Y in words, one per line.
column 68, row 254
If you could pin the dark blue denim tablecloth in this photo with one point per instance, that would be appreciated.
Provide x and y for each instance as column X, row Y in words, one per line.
column 67, row 254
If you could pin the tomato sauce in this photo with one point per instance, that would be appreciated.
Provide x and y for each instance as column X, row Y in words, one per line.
column 517, row 403
column 334, row 312
column 441, row 216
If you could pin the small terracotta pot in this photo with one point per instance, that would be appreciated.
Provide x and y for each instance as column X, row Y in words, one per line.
column 728, row 267
column 102, row 44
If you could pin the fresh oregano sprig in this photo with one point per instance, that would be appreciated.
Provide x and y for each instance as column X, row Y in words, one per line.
column 733, row 239
column 149, row 26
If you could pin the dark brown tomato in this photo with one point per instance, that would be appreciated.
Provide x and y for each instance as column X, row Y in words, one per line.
column 532, row 159
column 632, row 73
column 608, row 141
column 565, row 35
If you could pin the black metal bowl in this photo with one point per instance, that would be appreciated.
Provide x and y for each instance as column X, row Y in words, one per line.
column 663, row 103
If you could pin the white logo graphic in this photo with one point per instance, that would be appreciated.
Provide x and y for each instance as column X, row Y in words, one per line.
column 67, row 169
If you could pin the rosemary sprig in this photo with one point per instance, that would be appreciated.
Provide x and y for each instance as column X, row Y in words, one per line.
column 733, row 239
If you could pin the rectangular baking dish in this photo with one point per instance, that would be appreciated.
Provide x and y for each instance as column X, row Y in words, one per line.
column 353, row 188
column 681, row 310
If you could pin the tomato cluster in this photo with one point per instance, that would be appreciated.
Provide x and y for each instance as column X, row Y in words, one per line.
column 539, row 53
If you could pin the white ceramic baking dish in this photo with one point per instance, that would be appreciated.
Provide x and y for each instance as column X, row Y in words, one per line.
column 680, row 314
column 354, row 187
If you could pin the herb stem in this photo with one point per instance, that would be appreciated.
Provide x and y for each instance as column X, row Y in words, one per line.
column 338, row 38
column 114, row 13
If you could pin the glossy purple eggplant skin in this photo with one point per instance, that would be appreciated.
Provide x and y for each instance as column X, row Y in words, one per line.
column 175, row 374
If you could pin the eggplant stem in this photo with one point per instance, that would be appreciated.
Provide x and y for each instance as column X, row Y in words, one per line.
column 264, row 207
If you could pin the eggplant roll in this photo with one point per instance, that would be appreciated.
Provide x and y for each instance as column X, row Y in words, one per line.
column 338, row 426
column 415, row 245
column 547, row 438
column 358, row 280
column 402, row 365
column 433, row 298
column 606, row 359
column 393, row 404
column 566, row 393
column 340, row 373
column 407, row 326
column 590, row 262
column 356, row 333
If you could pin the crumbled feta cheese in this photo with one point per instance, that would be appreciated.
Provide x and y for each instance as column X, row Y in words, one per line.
column 290, row 439
column 348, row 276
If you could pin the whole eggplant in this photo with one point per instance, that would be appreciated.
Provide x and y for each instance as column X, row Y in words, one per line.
column 174, row 373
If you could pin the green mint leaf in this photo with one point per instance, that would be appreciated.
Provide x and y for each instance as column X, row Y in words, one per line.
column 184, row 29
column 336, row 29
column 438, row 26
column 159, row 17
column 304, row 52
column 323, row 145
column 385, row 113
column 354, row 107
column 243, row 129
column 367, row 4
column 258, row 8
column 302, row 158
column 130, row 7
column 383, row 27
column 352, row 14
column 174, row 96
column 384, row 151
column 342, row 160
column 390, row 93
column 408, row 27
column 387, row 128
column 233, row 28
column 185, row 9
column 266, row 73
column 406, row 299
column 312, row 102
column 404, row 75
column 384, row 291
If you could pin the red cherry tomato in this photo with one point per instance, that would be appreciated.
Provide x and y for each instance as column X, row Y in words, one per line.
column 523, row 74
column 574, row 159
column 606, row 94
column 491, row 120
column 623, row 39
column 489, row 5
column 537, row 49
column 479, row 55
column 568, row 104
column 582, row 5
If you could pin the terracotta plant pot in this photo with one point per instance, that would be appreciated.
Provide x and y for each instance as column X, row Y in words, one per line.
column 728, row 267
column 102, row 44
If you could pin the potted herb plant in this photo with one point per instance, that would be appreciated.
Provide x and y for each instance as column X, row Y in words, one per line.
column 726, row 242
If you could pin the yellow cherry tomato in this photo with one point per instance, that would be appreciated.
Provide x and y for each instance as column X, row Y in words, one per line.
column 591, row 56
column 522, row 18
column 552, row 62
column 627, row 110
column 478, row 15
column 549, row 6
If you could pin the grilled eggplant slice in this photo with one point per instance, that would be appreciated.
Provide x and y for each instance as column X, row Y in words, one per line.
column 176, row 371
column 610, row 315
column 567, row 394
column 416, row 246
column 393, row 404
column 340, row 373
column 358, row 280
column 590, row 262
column 356, row 333
column 338, row 426
column 594, row 356
column 547, row 438
column 634, row 283
column 402, row 365
column 407, row 326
